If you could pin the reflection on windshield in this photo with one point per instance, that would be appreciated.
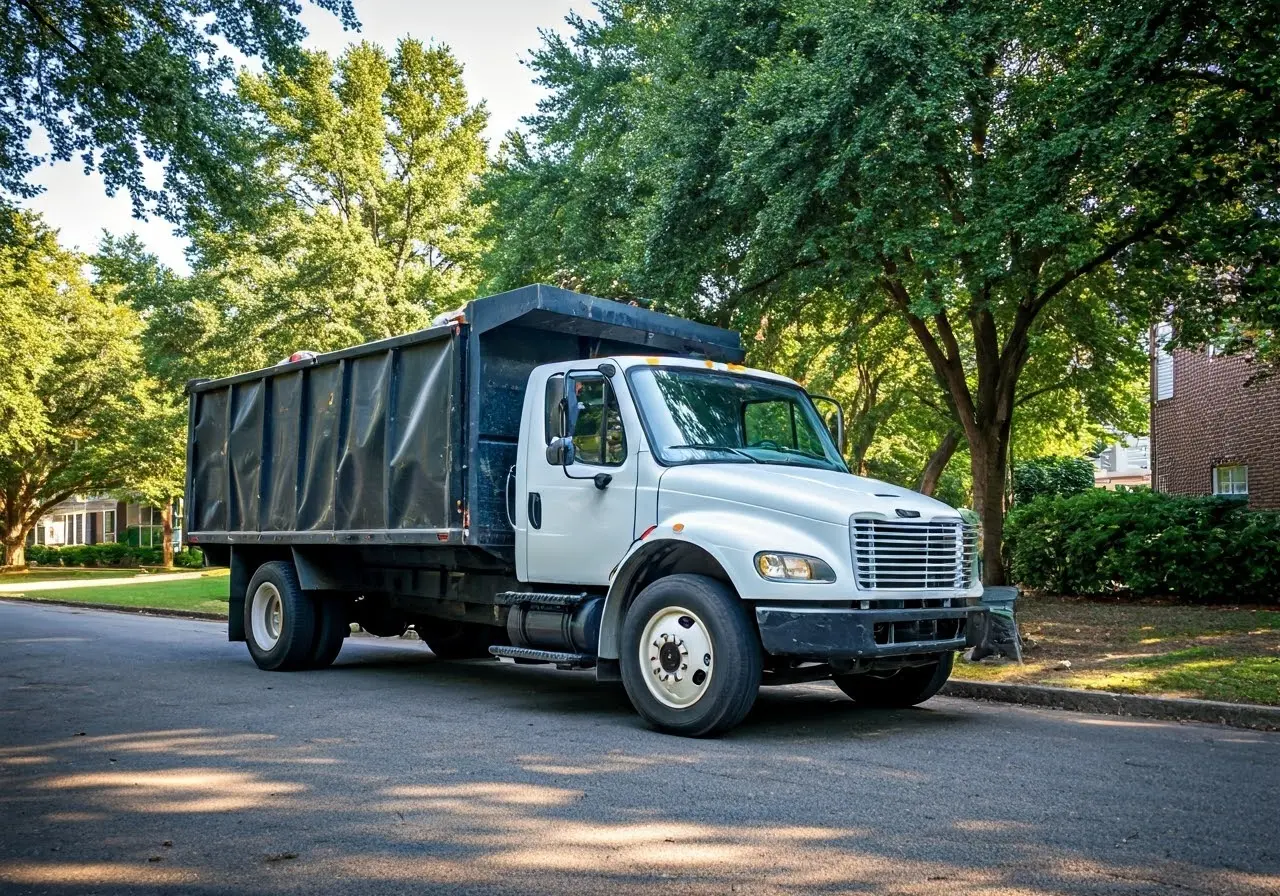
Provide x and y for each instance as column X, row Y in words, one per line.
column 702, row 415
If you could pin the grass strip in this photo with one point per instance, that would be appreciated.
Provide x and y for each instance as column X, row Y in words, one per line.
column 207, row 594
column 1212, row 653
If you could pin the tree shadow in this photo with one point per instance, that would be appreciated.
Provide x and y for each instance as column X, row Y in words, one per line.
column 395, row 771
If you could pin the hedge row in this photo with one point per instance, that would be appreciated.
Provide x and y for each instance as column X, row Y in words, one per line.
column 109, row 554
column 1145, row 544
column 1051, row 477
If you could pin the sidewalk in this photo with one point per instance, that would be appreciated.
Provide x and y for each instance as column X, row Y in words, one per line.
column 54, row 585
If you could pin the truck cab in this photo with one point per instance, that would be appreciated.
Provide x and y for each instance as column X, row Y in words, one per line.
column 634, row 469
column 550, row 478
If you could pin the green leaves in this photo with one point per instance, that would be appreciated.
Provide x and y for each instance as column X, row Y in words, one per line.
column 1051, row 477
column 75, row 406
column 369, row 229
column 1144, row 544
column 116, row 83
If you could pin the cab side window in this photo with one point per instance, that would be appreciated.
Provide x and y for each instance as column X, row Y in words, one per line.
column 598, row 435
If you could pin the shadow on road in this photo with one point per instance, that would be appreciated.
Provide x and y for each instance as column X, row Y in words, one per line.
column 178, row 767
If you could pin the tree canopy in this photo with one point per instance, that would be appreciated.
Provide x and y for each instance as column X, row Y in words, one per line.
column 117, row 82
column 369, row 227
column 71, row 421
column 1024, row 186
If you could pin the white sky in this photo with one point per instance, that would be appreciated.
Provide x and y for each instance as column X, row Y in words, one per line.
column 489, row 37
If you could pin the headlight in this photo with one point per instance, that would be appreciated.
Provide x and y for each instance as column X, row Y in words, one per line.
column 793, row 568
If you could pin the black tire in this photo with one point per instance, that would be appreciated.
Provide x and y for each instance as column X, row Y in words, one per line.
column 297, row 623
column 906, row 687
column 452, row 640
column 734, row 682
column 333, row 625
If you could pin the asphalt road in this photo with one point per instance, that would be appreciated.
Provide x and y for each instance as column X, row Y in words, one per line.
column 149, row 755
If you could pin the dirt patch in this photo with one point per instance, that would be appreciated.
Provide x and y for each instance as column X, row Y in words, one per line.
column 1229, row 653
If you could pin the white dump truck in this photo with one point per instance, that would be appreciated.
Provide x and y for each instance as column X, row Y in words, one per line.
column 550, row 478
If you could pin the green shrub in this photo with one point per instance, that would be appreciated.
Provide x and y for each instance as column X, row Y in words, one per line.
column 149, row 556
column 1050, row 477
column 43, row 555
column 189, row 559
column 78, row 555
column 1145, row 544
column 114, row 554
column 110, row 554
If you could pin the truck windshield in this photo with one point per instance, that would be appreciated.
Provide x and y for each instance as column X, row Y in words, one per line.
column 701, row 416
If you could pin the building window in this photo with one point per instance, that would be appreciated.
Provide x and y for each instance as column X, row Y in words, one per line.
column 1164, row 362
column 1231, row 480
column 108, row 526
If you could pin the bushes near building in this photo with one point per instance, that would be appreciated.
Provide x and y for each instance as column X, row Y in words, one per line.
column 111, row 554
column 1145, row 544
column 1050, row 477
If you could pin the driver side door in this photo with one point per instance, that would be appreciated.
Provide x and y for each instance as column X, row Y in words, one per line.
column 576, row 531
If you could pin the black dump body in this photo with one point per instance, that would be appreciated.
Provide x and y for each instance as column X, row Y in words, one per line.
column 404, row 441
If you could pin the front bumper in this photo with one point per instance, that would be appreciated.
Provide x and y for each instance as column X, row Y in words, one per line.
column 824, row 633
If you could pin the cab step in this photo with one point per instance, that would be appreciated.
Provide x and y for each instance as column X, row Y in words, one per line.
column 555, row 657
column 549, row 599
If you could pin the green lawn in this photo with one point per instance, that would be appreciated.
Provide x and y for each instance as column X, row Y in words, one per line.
column 1214, row 653
column 207, row 594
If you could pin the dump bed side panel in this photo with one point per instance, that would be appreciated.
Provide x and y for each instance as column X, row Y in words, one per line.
column 360, row 446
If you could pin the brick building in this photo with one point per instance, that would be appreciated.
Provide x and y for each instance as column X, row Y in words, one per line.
column 1210, row 432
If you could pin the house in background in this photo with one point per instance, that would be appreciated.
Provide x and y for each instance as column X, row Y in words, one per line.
column 1126, row 462
column 99, row 519
column 1211, row 434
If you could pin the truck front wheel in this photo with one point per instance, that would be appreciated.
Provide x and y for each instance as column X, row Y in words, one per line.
column 900, row 689
column 279, row 619
column 691, row 659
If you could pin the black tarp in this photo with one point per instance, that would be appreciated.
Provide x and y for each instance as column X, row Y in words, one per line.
column 357, row 442
column 406, row 440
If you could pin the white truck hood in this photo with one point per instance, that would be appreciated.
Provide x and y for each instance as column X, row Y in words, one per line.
column 824, row 495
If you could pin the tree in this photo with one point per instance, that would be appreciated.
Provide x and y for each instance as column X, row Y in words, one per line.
column 72, row 422
column 117, row 81
column 369, row 227
column 136, row 277
column 997, row 176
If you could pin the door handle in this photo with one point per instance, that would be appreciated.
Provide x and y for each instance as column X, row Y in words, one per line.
column 535, row 510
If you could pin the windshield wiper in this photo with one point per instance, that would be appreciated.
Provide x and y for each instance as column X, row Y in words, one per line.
column 709, row 447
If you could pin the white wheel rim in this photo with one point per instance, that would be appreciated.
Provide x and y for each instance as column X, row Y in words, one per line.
column 267, row 615
column 676, row 657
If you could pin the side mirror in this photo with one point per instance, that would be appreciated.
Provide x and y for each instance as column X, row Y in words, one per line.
column 838, row 432
column 560, row 451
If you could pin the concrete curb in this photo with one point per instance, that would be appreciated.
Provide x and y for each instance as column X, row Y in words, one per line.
column 115, row 608
column 1174, row 709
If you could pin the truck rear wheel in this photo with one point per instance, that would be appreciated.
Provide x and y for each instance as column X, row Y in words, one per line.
column 691, row 659
column 279, row 619
column 903, row 688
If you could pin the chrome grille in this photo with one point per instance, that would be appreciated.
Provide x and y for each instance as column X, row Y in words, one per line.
column 912, row 555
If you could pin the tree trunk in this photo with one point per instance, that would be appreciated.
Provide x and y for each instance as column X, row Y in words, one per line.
column 937, row 464
column 988, row 463
column 15, row 546
column 166, row 528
